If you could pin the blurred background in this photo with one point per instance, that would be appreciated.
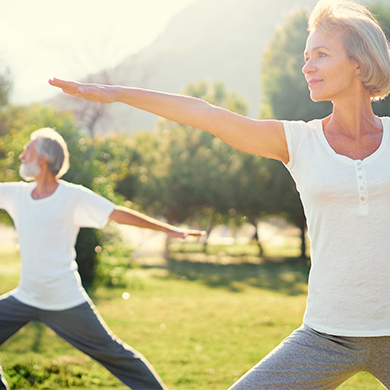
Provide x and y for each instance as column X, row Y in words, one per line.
column 243, row 55
column 252, row 266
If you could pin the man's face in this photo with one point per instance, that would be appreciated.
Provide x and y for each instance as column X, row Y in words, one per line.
column 29, row 169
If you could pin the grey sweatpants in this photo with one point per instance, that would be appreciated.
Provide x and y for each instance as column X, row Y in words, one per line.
column 308, row 360
column 83, row 327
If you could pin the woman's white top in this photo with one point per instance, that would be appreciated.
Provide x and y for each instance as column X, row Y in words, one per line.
column 347, row 206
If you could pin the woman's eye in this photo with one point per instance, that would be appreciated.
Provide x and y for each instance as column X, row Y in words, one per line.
column 321, row 54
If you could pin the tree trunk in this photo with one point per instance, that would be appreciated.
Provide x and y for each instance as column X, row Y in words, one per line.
column 166, row 249
column 256, row 237
column 303, row 237
column 208, row 232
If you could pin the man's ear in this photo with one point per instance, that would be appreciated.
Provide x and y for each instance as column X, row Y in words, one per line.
column 42, row 161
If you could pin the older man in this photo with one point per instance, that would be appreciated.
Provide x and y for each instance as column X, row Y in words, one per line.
column 48, row 213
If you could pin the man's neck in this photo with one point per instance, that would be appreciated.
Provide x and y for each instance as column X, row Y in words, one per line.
column 46, row 186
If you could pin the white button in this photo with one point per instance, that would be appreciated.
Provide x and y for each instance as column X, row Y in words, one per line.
column 360, row 177
column 361, row 188
column 363, row 199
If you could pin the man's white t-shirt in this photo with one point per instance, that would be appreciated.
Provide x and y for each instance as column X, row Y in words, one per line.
column 47, row 231
column 347, row 206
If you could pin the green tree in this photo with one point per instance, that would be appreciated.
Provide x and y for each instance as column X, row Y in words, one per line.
column 5, row 86
column 283, row 200
column 199, row 165
column 285, row 92
column 186, row 178
column 128, row 160
column 286, row 97
column 382, row 12
column 196, row 178
column 85, row 167
column 252, row 191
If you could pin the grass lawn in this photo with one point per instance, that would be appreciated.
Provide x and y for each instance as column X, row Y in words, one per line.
column 201, row 325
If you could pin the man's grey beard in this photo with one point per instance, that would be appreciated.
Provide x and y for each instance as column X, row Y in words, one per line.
column 28, row 171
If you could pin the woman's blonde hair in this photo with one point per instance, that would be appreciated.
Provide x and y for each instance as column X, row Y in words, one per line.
column 50, row 144
column 363, row 39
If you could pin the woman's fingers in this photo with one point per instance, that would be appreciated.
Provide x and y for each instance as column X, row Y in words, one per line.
column 92, row 92
column 66, row 86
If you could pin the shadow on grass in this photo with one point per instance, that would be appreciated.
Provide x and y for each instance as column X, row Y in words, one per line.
column 288, row 276
column 39, row 330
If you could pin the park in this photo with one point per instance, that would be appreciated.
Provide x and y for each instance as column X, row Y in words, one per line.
column 202, row 325
column 202, row 310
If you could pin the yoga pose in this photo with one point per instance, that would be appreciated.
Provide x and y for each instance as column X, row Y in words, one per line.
column 48, row 213
column 341, row 166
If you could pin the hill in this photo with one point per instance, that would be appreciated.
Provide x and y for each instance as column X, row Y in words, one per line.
column 211, row 39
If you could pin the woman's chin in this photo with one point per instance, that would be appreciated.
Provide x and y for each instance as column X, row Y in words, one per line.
column 315, row 97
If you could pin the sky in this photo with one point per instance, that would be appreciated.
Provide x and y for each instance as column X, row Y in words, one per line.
column 41, row 39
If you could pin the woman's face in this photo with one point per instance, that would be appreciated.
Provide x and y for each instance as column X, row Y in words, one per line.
column 328, row 71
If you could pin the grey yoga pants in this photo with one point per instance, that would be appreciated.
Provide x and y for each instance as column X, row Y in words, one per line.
column 83, row 327
column 308, row 360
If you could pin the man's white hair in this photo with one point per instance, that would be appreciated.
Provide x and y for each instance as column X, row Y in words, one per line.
column 51, row 145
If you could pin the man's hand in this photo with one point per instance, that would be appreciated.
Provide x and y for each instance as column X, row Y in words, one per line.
column 185, row 233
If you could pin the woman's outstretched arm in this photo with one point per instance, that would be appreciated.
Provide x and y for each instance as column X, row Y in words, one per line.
column 263, row 137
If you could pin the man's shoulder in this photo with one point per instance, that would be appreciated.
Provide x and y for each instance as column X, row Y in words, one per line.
column 12, row 192
column 17, row 185
column 84, row 199
column 76, row 191
column 72, row 187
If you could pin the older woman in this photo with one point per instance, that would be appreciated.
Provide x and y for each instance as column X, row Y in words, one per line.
column 341, row 165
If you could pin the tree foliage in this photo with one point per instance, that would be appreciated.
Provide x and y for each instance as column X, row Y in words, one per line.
column 285, row 92
column 87, row 165
column 194, row 177
column 286, row 97
column 5, row 86
column 382, row 12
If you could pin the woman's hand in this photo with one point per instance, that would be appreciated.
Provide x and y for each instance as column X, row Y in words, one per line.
column 92, row 92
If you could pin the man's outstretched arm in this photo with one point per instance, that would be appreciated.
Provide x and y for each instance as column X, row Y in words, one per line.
column 126, row 216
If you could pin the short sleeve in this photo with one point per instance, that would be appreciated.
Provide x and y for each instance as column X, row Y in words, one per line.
column 299, row 135
column 294, row 131
column 9, row 192
column 288, row 132
column 91, row 210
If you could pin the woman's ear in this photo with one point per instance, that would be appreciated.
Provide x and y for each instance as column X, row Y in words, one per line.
column 358, row 70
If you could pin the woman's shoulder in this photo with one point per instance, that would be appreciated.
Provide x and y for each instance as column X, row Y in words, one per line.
column 303, row 127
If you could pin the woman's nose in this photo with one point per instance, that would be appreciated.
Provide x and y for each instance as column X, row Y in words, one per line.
column 308, row 67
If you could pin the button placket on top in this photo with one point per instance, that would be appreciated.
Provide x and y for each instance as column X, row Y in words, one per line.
column 362, row 187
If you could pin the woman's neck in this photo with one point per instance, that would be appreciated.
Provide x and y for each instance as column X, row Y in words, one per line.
column 353, row 119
